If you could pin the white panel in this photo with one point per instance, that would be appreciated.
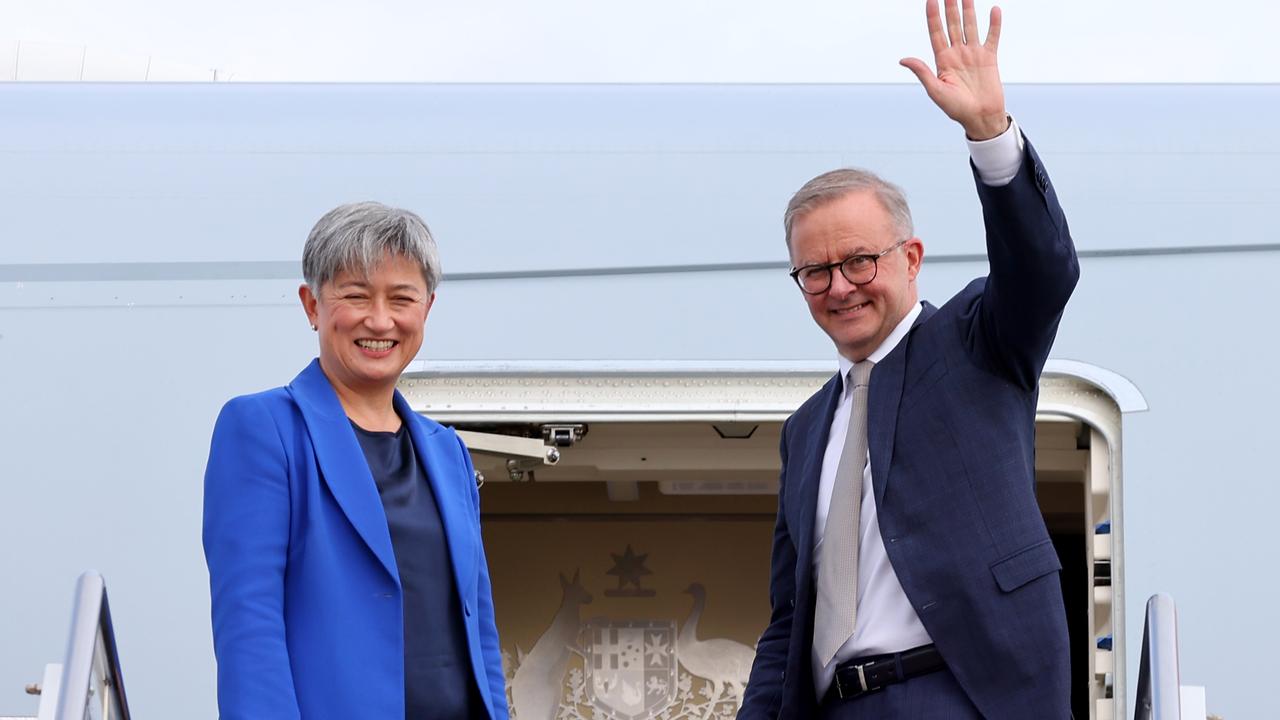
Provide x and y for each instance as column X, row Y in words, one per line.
column 45, row 61
column 1193, row 702
column 107, row 65
column 8, row 59
column 174, row 71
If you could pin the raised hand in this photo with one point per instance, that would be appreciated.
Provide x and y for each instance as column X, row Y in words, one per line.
column 967, row 85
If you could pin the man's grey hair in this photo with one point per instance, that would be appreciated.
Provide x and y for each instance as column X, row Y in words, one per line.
column 835, row 184
column 357, row 236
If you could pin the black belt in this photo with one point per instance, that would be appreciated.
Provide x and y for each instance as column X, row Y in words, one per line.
column 861, row 676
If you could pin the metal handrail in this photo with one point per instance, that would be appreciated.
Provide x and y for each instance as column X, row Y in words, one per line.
column 91, row 667
column 1159, row 681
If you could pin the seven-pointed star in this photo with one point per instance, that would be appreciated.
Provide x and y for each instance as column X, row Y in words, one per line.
column 629, row 567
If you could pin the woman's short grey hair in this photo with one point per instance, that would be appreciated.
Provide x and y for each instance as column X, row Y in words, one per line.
column 835, row 184
column 357, row 236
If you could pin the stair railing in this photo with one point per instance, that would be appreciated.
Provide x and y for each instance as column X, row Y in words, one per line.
column 1159, row 680
column 91, row 685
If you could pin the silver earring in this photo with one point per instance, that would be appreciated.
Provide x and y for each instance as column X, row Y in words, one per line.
column 313, row 327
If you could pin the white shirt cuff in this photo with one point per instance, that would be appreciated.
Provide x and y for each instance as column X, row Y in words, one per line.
column 999, row 158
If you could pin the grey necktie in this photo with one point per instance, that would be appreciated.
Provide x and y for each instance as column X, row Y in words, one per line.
column 837, row 603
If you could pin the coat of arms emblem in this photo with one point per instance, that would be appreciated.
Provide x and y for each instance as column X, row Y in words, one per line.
column 631, row 667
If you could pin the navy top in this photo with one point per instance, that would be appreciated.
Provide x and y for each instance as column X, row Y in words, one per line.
column 438, row 682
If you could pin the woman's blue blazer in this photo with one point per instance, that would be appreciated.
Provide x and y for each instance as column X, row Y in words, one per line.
column 307, row 616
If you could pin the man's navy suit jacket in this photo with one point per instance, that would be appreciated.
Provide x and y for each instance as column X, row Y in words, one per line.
column 951, row 434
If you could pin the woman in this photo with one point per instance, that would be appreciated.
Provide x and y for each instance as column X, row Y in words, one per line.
column 341, row 528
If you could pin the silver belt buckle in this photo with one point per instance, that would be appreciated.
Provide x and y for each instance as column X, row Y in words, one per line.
column 863, row 688
column 862, row 683
column 862, row 678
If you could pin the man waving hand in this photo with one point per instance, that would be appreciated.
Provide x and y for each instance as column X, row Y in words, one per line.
column 913, row 576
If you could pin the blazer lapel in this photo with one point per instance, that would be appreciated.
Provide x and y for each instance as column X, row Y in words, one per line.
column 342, row 462
column 882, row 406
column 439, row 454
column 815, row 434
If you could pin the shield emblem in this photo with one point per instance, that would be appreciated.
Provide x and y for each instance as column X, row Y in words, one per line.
column 631, row 667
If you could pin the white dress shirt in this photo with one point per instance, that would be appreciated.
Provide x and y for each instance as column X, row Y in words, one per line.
column 886, row 621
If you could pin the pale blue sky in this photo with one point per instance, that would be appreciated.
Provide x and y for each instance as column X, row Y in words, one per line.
column 653, row 41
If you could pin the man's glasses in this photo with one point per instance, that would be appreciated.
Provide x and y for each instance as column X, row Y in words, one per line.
column 857, row 269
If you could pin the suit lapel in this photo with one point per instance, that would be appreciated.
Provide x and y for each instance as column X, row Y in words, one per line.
column 884, row 396
column 814, row 433
column 342, row 462
column 882, row 402
column 439, row 454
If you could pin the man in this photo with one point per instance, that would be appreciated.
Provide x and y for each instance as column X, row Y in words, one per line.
column 913, row 576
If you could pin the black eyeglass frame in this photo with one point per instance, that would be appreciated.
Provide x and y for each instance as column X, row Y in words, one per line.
column 829, row 267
